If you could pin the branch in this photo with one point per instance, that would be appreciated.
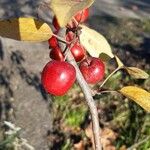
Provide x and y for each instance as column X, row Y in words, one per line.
column 87, row 93
column 139, row 143
column 110, row 76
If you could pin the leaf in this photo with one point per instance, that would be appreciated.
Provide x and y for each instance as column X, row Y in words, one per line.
column 104, row 57
column 25, row 29
column 108, row 136
column 119, row 62
column 136, row 73
column 79, row 146
column 66, row 9
column 95, row 43
column 140, row 96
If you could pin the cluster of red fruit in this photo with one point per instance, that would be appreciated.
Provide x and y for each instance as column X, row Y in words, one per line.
column 58, row 76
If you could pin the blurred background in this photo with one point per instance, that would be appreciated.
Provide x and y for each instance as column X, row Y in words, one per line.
column 64, row 122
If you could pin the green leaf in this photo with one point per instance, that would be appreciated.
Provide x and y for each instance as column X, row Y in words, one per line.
column 95, row 43
column 25, row 29
column 140, row 96
column 136, row 73
column 66, row 9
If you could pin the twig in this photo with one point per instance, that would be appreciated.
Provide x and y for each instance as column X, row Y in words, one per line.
column 88, row 95
column 110, row 76
column 68, row 48
column 12, row 126
column 26, row 145
column 12, row 137
column 75, row 21
column 139, row 143
column 60, row 38
column 109, row 91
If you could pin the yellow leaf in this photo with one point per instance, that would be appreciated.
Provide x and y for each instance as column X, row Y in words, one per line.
column 136, row 73
column 25, row 29
column 119, row 62
column 140, row 96
column 95, row 43
column 66, row 9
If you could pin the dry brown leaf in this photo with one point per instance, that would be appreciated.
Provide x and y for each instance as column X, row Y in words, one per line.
column 136, row 73
column 89, row 132
column 79, row 145
column 110, row 147
column 25, row 29
column 123, row 147
column 95, row 43
column 138, row 95
column 107, row 137
column 66, row 9
column 108, row 134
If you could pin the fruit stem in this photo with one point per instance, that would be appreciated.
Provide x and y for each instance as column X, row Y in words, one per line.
column 75, row 21
column 60, row 39
column 109, row 91
column 68, row 48
column 118, row 68
column 88, row 62
column 66, row 52
column 88, row 95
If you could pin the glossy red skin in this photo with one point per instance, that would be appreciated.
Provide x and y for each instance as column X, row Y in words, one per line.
column 82, row 16
column 93, row 70
column 56, row 54
column 78, row 52
column 56, row 24
column 53, row 42
column 58, row 77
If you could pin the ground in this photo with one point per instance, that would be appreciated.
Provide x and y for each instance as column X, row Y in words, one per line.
column 22, row 99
